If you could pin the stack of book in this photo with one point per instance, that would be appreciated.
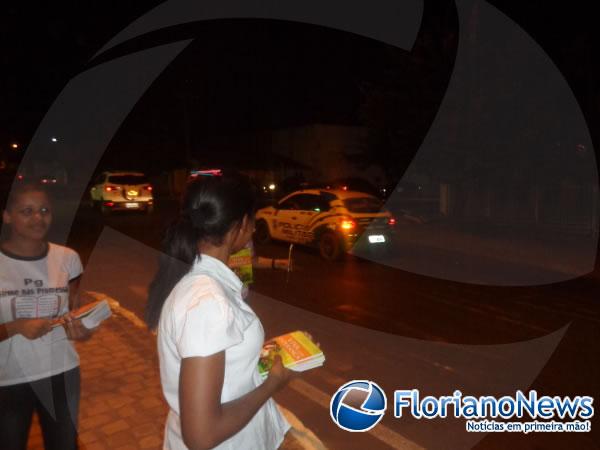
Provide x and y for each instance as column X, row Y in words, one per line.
column 297, row 350
column 91, row 315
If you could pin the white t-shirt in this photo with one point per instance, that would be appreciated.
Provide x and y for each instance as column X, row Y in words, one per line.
column 204, row 315
column 36, row 288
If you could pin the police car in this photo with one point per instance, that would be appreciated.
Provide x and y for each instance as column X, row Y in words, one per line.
column 331, row 219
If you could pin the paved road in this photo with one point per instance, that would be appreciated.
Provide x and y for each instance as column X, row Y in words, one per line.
column 397, row 328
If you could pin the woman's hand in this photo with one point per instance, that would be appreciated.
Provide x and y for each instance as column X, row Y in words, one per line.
column 31, row 328
column 279, row 375
column 75, row 330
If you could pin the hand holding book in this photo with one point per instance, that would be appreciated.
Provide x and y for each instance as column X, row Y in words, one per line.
column 88, row 316
column 279, row 374
column 297, row 351
column 75, row 329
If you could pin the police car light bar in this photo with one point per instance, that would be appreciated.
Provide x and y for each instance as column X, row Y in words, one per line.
column 206, row 173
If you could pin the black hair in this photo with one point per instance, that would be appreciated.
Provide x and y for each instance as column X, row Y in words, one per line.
column 211, row 207
column 20, row 188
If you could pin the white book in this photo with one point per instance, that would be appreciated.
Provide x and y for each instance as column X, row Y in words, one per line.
column 96, row 315
column 91, row 315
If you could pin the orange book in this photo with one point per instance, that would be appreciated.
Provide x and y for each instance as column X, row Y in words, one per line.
column 297, row 350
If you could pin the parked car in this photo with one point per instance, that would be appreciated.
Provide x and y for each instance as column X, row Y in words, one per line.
column 122, row 190
column 329, row 219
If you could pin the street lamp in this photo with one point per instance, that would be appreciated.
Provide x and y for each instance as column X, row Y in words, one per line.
column 53, row 139
column 14, row 146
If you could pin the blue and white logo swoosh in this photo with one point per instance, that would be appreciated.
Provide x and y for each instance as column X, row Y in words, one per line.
column 350, row 418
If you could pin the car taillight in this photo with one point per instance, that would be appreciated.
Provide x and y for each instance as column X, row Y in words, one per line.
column 348, row 224
column 111, row 204
column 391, row 221
column 148, row 188
column 111, row 188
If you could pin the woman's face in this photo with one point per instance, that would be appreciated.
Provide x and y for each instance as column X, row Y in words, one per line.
column 29, row 216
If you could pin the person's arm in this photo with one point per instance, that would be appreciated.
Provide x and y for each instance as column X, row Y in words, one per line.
column 75, row 330
column 74, row 302
column 270, row 263
column 200, row 386
column 29, row 328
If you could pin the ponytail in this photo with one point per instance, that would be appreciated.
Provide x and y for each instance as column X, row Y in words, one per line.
column 179, row 250
column 211, row 207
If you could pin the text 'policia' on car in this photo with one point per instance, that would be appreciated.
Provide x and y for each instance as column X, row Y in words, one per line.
column 330, row 219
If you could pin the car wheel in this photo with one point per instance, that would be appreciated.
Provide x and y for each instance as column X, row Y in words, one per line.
column 330, row 246
column 262, row 234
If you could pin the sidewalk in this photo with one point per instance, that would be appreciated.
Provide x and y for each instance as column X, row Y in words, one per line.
column 122, row 406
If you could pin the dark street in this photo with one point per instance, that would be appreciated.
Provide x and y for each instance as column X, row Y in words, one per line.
column 377, row 298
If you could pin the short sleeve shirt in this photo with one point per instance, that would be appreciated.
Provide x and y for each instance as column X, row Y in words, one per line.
column 205, row 315
column 33, row 288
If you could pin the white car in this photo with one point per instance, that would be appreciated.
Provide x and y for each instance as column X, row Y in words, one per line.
column 113, row 191
column 331, row 220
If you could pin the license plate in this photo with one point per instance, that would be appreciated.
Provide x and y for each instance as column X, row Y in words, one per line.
column 132, row 205
column 376, row 238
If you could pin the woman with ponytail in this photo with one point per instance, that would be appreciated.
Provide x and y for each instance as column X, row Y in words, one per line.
column 209, row 339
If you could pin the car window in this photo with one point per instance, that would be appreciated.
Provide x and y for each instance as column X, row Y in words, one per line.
column 325, row 202
column 312, row 202
column 306, row 202
column 290, row 203
column 363, row 205
column 328, row 196
column 127, row 179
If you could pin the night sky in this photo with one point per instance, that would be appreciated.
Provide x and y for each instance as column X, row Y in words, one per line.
column 242, row 75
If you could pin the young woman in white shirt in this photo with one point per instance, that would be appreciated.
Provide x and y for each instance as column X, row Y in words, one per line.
column 209, row 339
column 39, row 367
